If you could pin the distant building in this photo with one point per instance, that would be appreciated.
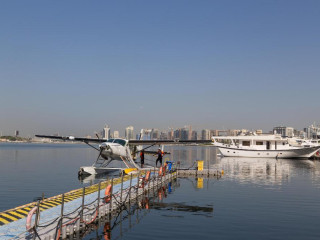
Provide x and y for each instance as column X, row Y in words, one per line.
column 116, row 134
column 223, row 133
column 194, row 135
column 300, row 134
column 312, row 132
column 259, row 132
column 284, row 131
column 184, row 134
column 154, row 134
column 214, row 133
column 106, row 132
column 16, row 133
column 145, row 134
column 188, row 129
column 205, row 134
column 234, row 132
column 177, row 133
column 163, row 136
column 129, row 133
column 170, row 135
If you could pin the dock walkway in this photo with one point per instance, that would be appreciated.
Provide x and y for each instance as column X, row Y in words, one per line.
column 65, row 214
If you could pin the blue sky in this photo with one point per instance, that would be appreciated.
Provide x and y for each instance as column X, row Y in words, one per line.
column 73, row 66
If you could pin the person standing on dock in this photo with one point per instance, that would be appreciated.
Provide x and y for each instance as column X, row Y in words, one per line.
column 159, row 159
column 142, row 158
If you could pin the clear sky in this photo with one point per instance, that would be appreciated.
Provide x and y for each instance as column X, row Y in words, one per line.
column 73, row 66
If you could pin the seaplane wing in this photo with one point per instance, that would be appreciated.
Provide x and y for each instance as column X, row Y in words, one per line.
column 71, row 138
column 118, row 149
column 168, row 142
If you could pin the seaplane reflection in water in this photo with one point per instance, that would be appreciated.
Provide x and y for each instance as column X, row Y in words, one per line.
column 120, row 150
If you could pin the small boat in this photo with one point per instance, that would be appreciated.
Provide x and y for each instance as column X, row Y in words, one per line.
column 264, row 146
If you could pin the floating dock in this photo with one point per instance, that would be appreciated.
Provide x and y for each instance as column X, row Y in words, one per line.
column 69, row 214
column 64, row 215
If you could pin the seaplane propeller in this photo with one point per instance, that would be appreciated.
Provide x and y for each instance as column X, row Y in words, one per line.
column 101, row 150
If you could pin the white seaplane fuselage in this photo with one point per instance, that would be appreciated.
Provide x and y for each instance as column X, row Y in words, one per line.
column 265, row 146
column 112, row 149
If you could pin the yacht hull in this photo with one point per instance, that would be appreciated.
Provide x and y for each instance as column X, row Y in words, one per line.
column 287, row 153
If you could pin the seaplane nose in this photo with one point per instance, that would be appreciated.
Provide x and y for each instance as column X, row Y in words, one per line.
column 105, row 147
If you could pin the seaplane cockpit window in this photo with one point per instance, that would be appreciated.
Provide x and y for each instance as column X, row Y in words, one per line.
column 120, row 141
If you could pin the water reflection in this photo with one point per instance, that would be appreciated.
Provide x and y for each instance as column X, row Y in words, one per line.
column 121, row 223
column 94, row 179
column 265, row 171
column 260, row 171
column 187, row 155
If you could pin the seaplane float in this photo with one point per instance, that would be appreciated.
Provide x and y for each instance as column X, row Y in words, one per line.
column 118, row 149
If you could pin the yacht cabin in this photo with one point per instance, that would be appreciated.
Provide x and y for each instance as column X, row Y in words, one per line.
column 270, row 142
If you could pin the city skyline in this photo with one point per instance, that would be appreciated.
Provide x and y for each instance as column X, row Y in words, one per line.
column 189, row 133
column 69, row 67
column 107, row 131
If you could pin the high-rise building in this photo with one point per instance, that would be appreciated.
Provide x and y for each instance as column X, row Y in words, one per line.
column 188, row 129
column 145, row 134
column 194, row 135
column 163, row 136
column 205, row 134
column 177, row 133
column 184, row 134
column 154, row 134
column 284, row 131
column 116, row 134
column 312, row 131
column 170, row 134
column 129, row 133
column 16, row 133
column 106, row 132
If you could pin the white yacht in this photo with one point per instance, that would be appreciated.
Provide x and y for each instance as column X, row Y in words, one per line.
column 266, row 146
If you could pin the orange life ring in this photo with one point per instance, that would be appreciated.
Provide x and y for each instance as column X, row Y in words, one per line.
column 160, row 172
column 107, row 193
column 147, row 176
column 29, row 219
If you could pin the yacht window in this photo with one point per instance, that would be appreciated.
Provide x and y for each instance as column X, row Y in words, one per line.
column 259, row 143
column 110, row 140
column 245, row 143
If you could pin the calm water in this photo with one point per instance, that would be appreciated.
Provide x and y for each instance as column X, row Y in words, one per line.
column 255, row 199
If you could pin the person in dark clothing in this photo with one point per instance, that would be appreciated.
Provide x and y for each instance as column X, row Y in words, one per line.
column 159, row 159
column 142, row 158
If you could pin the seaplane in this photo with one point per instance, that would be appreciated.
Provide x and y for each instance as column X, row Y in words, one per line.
column 118, row 149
